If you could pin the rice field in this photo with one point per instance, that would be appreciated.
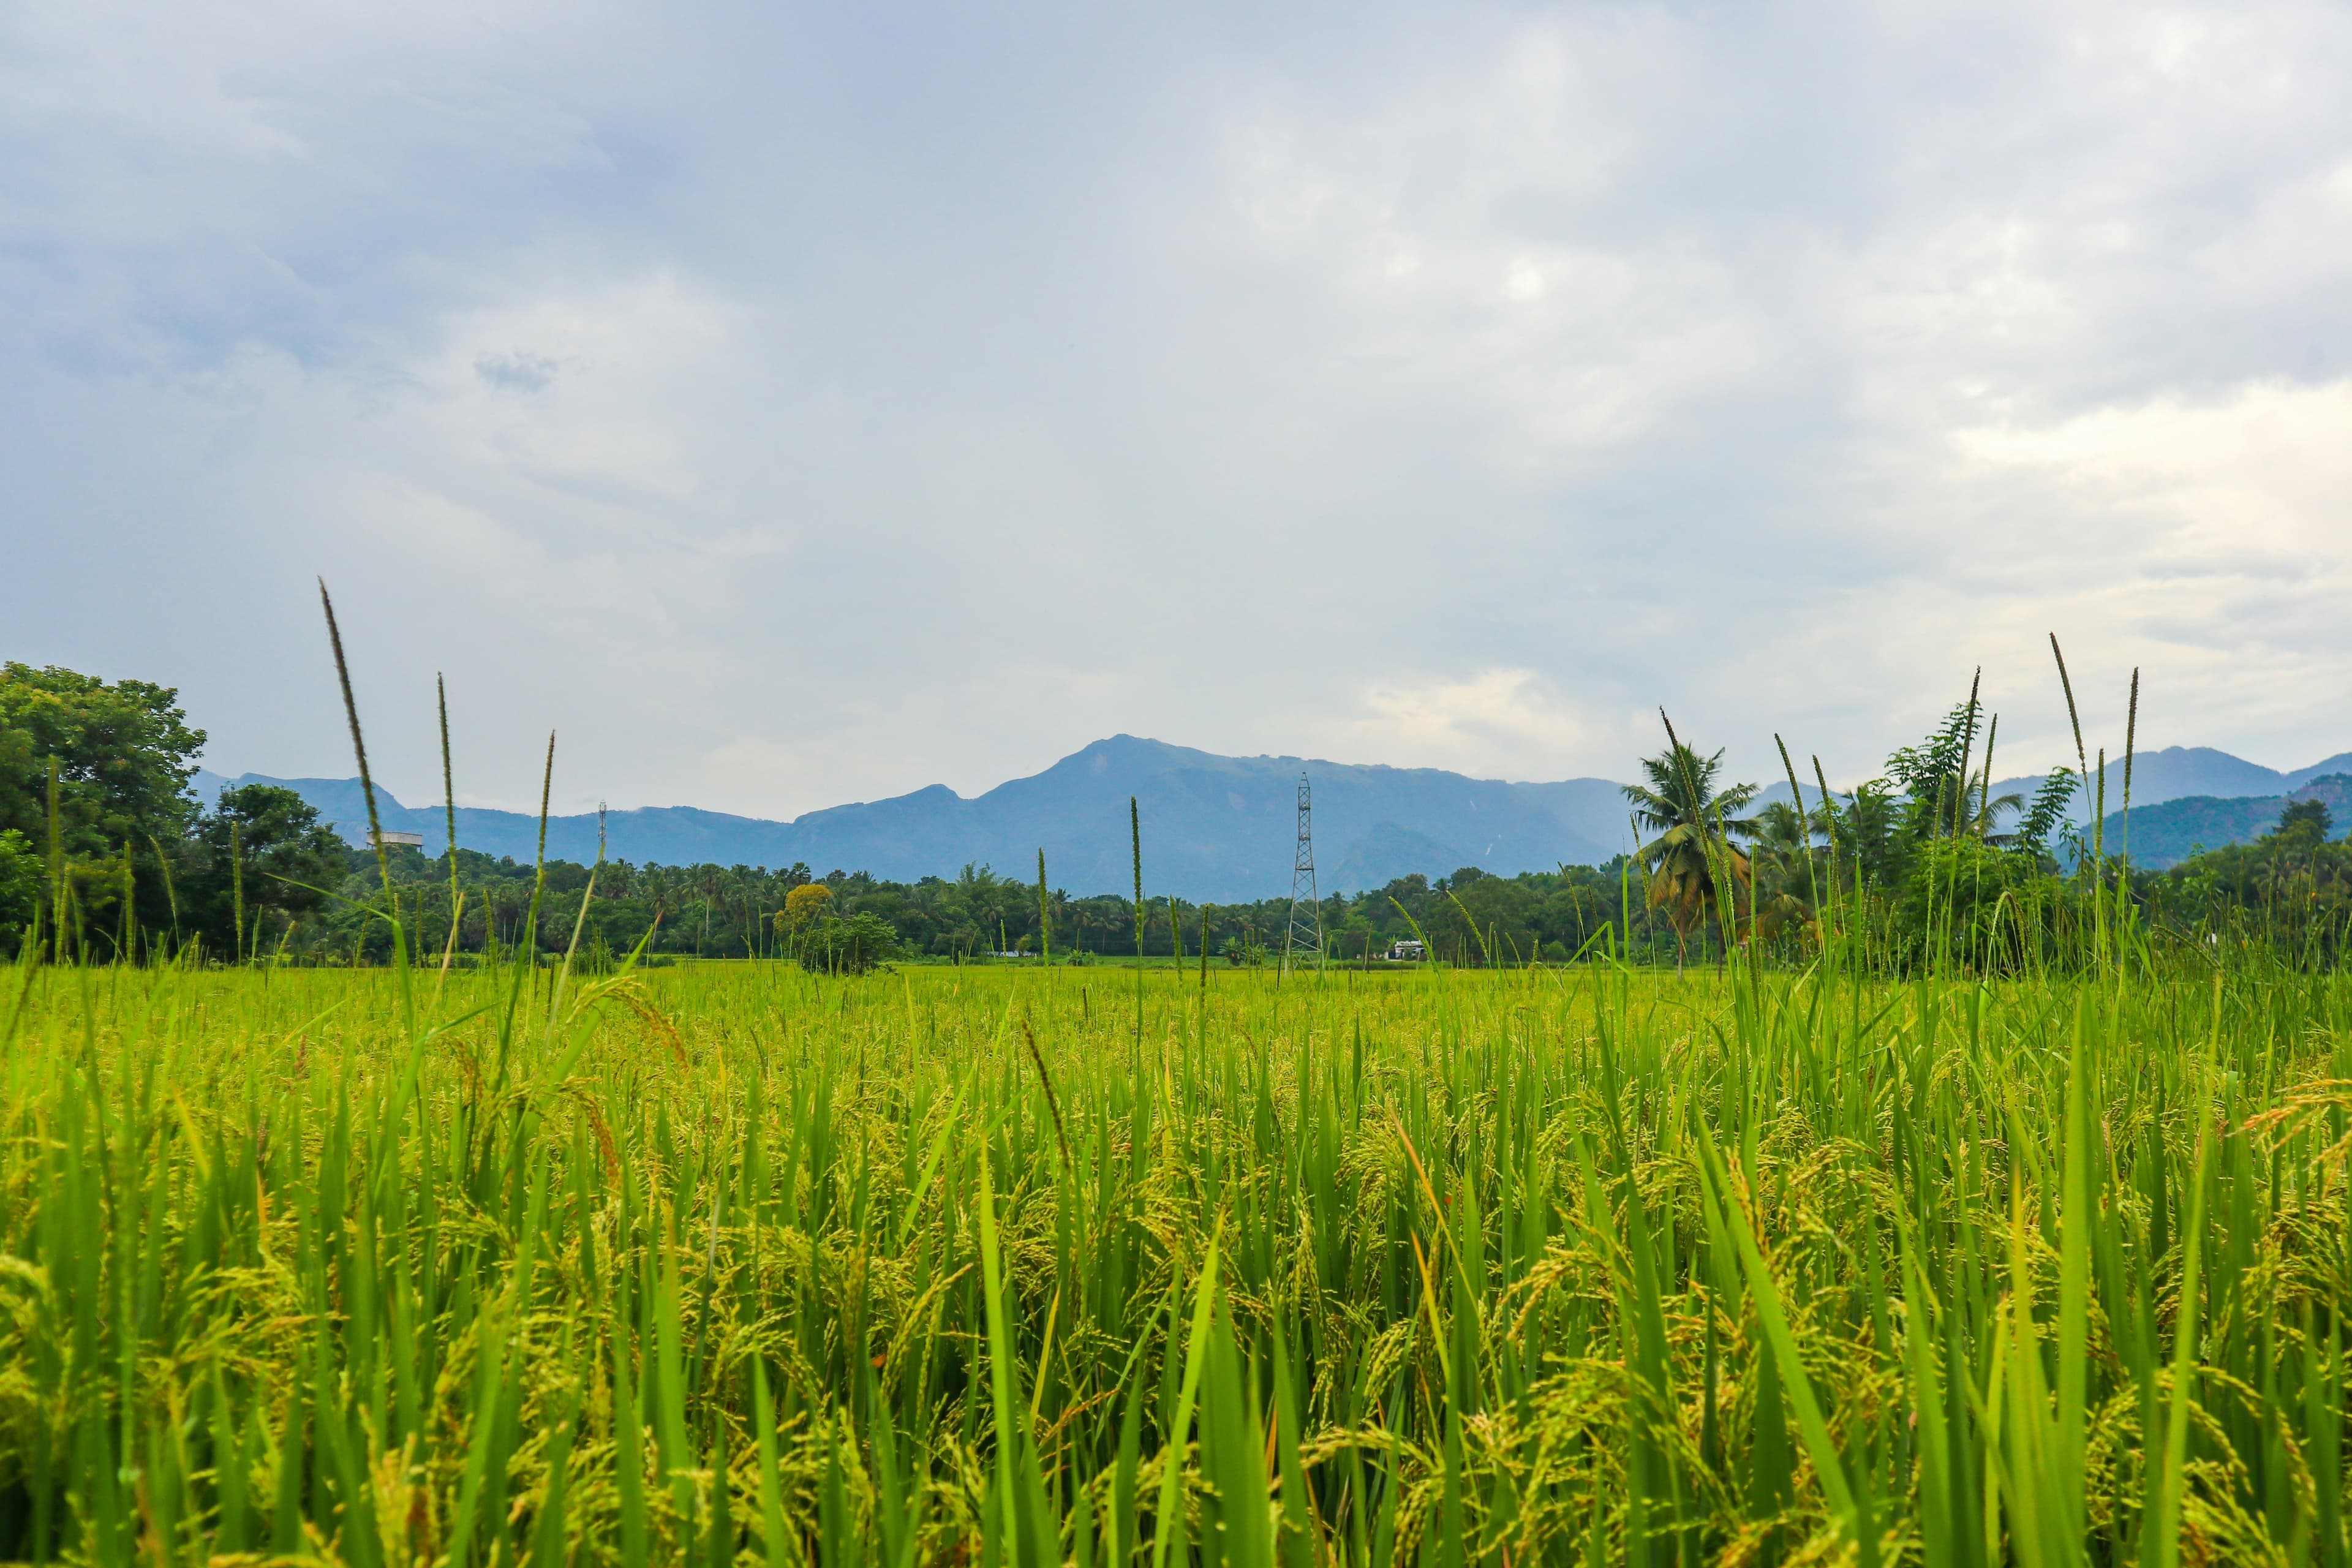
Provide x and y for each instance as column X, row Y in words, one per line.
column 732, row 1264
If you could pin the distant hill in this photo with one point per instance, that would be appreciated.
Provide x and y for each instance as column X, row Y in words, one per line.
column 2173, row 773
column 2179, row 773
column 1214, row 828
column 2161, row 836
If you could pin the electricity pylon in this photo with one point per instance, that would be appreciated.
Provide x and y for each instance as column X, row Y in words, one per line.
column 1304, row 938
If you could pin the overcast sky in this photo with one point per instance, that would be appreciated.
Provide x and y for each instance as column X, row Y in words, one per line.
column 801, row 405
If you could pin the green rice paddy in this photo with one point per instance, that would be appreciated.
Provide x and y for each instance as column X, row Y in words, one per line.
column 729, row 1263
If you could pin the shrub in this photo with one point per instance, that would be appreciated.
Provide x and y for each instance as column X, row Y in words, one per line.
column 1992, row 905
column 854, row 944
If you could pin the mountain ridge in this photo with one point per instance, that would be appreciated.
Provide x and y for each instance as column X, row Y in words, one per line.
column 1215, row 827
column 2162, row 835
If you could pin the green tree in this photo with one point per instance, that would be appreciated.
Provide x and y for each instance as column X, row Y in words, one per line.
column 260, row 857
column 1787, row 872
column 1945, row 796
column 2031, row 836
column 852, row 944
column 1695, row 824
column 1987, row 908
column 2303, row 826
column 124, row 755
column 20, row 882
column 1870, row 834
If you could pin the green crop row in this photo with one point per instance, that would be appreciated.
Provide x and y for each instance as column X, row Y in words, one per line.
column 1578, row 1266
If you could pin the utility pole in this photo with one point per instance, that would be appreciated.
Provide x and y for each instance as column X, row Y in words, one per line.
column 1305, row 937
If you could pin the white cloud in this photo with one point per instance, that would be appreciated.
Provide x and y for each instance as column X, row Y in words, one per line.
column 791, row 408
column 2219, row 557
column 1503, row 723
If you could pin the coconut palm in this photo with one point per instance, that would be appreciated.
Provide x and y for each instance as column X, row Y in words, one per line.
column 1788, row 876
column 1695, row 825
column 711, row 883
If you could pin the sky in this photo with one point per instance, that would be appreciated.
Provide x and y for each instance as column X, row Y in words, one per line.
column 795, row 405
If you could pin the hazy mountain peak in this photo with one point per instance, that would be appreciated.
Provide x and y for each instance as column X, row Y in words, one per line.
column 1214, row 828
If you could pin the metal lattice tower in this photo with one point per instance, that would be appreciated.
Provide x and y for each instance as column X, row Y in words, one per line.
column 1304, row 938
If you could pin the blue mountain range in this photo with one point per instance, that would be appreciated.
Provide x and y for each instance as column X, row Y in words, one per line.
column 1214, row 828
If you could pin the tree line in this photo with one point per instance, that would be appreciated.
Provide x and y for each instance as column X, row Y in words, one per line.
column 105, row 853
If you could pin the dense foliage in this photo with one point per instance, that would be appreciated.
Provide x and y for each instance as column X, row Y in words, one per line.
column 1924, row 863
column 2291, row 888
column 97, row 825
column 740, row 911
column 1926, row 868
column 120, row 754
column 2179, row 831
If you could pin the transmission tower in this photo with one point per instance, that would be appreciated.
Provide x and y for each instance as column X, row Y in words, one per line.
column 1304, row 938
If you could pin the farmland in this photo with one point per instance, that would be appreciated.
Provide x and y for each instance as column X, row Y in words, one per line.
column 735, row 1262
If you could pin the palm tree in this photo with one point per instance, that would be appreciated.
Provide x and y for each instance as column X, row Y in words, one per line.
column 1695, row 826
column 1789, row 877
column 710, row 882
column 658, row 886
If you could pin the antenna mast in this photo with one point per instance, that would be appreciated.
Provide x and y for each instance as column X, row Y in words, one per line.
column 1304, row 938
